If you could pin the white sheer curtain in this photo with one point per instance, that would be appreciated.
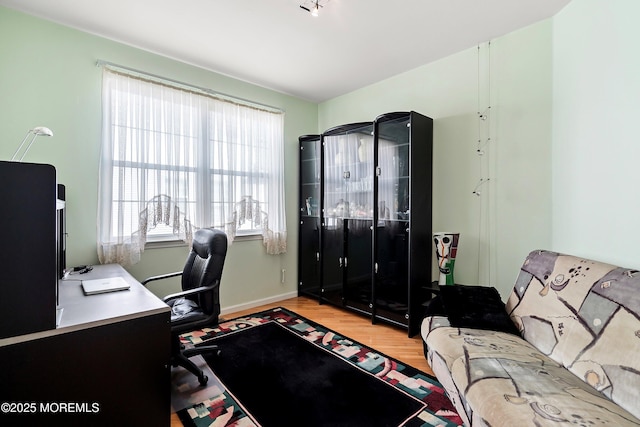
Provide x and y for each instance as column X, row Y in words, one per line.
column 175, row 159
column 246, row 147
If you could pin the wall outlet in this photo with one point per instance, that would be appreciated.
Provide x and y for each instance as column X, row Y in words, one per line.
column 282, row 273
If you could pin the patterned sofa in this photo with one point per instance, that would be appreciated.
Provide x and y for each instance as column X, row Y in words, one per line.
column 576, row 361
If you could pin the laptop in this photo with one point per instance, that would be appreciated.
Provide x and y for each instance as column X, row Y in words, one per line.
column 100, row 286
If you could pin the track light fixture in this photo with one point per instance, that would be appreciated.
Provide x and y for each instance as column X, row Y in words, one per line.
column 313, row 6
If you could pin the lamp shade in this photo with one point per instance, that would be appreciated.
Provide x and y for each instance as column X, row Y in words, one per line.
column 41, row 130
column 33, row 133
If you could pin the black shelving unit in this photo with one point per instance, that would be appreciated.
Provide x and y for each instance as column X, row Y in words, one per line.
column 347, row 215
column 309, row 216
column 402, row 247
column 368, row 245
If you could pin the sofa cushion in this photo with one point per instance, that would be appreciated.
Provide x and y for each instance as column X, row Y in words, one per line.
column 452, row 343
column 478, row 307
column 496, row 378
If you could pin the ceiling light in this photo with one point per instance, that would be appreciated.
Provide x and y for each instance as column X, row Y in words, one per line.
column 313, row 6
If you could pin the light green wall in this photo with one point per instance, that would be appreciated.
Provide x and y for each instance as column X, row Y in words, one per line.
column 596, row 147
column 561, row 162
column 513, row 214
column 48, row 77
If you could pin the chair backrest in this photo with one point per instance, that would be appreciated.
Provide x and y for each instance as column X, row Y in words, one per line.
column 204, row 266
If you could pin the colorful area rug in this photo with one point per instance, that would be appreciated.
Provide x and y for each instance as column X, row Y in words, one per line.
column 280, row 369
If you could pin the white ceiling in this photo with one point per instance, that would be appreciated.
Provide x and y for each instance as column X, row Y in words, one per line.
column 278, row 45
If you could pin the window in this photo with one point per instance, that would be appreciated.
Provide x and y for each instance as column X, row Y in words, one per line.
column 175, row 158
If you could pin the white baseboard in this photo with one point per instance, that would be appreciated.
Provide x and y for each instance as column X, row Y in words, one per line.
column 257, row 303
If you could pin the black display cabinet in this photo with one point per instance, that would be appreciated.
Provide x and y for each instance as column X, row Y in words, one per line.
column 402, row 238
column 347, row 215
column 309, row 216
column 374, row 251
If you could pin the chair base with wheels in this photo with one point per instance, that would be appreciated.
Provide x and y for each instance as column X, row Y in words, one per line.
column 182, row 357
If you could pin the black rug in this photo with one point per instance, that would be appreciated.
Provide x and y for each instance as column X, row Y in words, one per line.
column 280, row 369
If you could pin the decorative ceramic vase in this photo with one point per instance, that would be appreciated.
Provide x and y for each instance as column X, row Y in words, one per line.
column 446, row 250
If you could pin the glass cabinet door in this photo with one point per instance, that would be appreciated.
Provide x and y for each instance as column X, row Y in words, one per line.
column 309, row 213
column 348, row 214
column 392, row 224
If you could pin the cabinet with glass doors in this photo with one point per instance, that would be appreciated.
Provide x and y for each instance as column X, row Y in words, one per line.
column 309, row 216
column 347, row 215
column 402, row 247
column 373, row 238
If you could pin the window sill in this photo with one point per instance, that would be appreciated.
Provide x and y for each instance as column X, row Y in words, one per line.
column 162, row 244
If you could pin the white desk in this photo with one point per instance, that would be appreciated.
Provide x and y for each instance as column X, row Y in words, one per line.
column 80, row 311
column 111, row 350
column 100, row 309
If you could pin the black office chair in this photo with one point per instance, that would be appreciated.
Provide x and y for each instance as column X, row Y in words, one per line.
column 198, row 305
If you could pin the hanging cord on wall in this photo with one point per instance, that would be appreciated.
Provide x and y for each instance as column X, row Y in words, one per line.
column 484, row 116
column 483, row 150
column 477, row 191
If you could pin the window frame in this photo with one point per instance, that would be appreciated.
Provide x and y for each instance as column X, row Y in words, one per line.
column 205, row 174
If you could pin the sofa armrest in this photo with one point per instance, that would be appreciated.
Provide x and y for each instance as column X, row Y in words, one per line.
column 433, row 322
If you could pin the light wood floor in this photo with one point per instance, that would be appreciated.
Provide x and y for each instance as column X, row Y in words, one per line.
column 389, row 340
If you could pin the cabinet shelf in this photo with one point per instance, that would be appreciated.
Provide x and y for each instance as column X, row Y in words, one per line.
column 393, row 179
column 349, row 218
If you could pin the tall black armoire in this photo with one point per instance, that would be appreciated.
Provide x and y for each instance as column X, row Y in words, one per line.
column 368, row 247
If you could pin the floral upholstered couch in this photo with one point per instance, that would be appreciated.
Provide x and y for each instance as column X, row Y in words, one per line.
column 574, row 359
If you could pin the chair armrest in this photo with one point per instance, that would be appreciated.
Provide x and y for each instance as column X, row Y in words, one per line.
column 162, row 276
column 190, row 292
